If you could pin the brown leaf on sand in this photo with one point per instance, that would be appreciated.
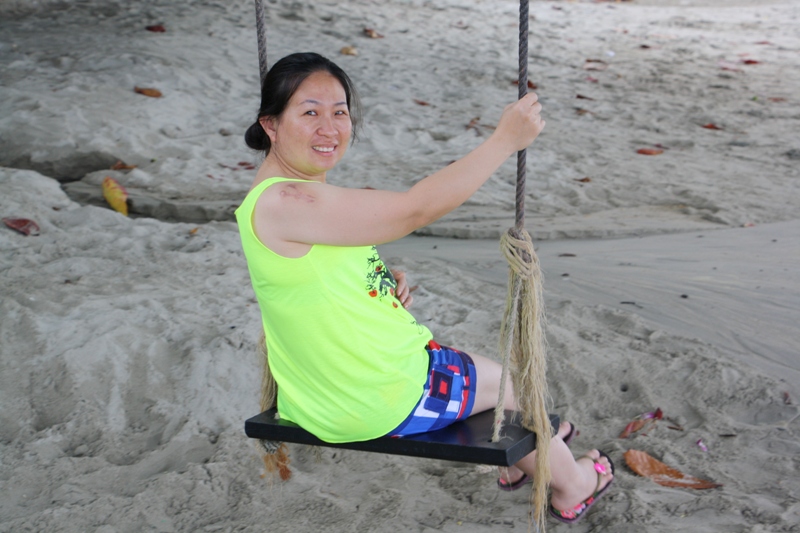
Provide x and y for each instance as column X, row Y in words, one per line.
column 583, row 97
column 750, row 61
column 595, row 64
column 152, row 93
column 349, row 51
column 372, row 34
column 647, row 466
column 587, row 179
column 650, row 151
column 157, row 28
column 776, row 99
column 530, row 84
column 582, row 111
column 120, row 165
column 22, row 225
column 711, row 126
column 421, row 102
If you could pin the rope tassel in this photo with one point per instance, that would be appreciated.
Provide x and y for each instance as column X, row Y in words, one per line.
column 523, row 348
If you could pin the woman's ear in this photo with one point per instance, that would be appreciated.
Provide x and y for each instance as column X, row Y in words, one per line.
column 268, row 125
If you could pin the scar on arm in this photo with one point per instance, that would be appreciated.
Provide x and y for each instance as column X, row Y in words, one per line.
column 292, row 191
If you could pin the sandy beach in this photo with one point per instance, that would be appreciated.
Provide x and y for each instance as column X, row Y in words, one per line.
column 127, row 344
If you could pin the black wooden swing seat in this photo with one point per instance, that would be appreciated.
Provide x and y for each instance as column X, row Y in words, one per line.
column 467, row 441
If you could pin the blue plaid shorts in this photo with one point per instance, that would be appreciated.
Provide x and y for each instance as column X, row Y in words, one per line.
column 448, row 394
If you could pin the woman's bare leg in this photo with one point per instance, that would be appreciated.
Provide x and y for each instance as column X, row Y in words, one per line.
column 572, row 481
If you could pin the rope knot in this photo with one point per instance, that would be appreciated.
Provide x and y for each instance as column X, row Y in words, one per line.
column 517, row 247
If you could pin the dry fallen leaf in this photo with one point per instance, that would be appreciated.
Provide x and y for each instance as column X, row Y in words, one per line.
column 649, row 151
column 643, row 421
column 583, row 97
column 120, row 165
column 22, row 225
column 349, row 51
column 421, row 102
column 750, row 62
column 711, row 126
column 776, row 99
column 595, row 64
column 193, row 231
column 152, row 93
column 116, row 195
column 372, row 34
column 647, row 466
column 530, row 84
column 587, row 179
column 582, row 111
column 158, row 28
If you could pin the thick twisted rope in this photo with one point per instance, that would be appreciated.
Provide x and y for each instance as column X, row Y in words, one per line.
column 274, row 454
column 522, row 338
column 261, row 32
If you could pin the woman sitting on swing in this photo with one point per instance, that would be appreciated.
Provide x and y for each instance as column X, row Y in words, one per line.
column 351, row 363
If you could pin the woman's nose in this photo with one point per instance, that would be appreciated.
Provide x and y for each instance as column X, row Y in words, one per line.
column 326, row 126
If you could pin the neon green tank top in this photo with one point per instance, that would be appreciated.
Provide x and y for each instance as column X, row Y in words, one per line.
column 349, row 360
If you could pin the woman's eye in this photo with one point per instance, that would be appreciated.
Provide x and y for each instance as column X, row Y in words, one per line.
column 312, row 113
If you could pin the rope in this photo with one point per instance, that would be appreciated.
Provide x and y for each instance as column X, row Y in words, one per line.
column 261, row 32
column 519, row 221
column 522, row 339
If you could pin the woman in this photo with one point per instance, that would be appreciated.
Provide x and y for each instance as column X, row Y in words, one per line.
column 350, row 362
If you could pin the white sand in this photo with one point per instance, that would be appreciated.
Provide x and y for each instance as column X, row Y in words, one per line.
column 127, row 360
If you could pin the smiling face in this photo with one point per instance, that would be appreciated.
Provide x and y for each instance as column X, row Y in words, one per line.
column 313, row 132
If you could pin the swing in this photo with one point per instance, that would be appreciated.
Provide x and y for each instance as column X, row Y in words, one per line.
column 466, row 441
column 501, row 437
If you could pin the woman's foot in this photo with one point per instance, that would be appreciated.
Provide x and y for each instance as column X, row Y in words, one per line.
column 593, row 474
column 512, row 478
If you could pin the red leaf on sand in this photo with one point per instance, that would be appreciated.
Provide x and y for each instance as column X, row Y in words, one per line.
column 776, row 99
column 763, row 42
column 152, row 93
column 120, row 165
column 647, row 466
column 595, row 64
column 641, row 422
column 587, row 179
column 530, row 84
column 750, row 62
column 22, row 225
column 421, row 102
column 649, row 151
column 157, row 28
column 711, row 126
column 632, row 428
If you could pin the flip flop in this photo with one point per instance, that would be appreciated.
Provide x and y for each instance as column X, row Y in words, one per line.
column 508, row 486
column 573, row 432
column 576, row 513
column 525, row 479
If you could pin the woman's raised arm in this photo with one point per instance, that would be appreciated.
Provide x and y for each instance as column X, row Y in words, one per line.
column 317, row 213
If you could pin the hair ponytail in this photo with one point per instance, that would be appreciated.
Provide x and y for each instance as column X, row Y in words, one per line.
column 256, row 138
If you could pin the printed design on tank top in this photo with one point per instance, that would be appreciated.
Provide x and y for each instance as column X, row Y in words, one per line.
column 380, row 282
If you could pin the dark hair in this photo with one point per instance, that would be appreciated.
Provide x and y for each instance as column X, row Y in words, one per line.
column 282, row 82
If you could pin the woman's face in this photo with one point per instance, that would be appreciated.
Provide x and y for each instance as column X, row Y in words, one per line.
column 313, row 132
